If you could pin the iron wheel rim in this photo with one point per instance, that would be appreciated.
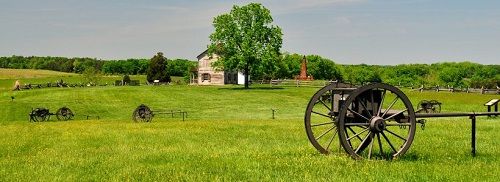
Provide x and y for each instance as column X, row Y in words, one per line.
column 320, row 120
column 378, row 125
column 64, row 114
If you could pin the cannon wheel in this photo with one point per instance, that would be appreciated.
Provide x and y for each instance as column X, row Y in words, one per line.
column 320, row 119
column 422, row 106
column 64, row 114
column 436, row 106
column 39, row 115
column 142, row 113
column 363, row 121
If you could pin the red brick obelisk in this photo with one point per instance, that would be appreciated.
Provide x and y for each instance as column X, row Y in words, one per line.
column 303, row 70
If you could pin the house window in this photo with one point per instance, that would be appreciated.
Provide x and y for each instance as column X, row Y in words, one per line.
column 205, row 76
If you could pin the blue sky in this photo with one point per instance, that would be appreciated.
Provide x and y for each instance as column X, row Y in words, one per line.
column 346, row 31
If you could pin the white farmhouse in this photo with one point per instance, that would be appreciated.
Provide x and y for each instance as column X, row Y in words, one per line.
column 207, row 75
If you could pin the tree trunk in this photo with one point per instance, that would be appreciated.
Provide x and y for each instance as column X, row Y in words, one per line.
column 246, row 76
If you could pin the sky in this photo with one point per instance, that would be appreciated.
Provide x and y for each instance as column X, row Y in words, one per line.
column 381, row 32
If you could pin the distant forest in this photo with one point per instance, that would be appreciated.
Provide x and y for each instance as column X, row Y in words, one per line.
column 455, row 74
column 176, row 67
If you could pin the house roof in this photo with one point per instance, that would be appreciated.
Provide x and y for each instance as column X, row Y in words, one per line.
column 202, row 54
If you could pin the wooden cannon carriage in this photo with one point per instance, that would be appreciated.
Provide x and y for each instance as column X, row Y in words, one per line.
column 358, row 119
column 43, row 114
column 144, row 114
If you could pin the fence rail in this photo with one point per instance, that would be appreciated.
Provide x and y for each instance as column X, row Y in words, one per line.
column 294, row 83
column 460, row 89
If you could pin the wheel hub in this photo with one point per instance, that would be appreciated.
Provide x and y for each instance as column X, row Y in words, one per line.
column 377, row 124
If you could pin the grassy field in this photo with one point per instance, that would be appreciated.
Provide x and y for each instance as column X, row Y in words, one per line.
column 26, row 76
column 229, row 135
column 28, row 73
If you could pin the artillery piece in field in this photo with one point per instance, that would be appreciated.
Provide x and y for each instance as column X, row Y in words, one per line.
column 144, row 114
column 43, row 114
column 372, row 121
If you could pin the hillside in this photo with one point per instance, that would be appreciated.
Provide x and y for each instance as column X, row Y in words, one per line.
column 8, row 77
column 30, row 73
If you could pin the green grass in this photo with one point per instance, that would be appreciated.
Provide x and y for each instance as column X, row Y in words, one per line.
column 29, row 73
column 228, row 136
column 8, row 78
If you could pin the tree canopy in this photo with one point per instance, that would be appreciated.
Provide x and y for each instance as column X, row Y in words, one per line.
column 157, row 69
column 245, row 40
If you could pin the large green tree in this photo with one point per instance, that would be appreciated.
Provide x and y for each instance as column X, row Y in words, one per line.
column 245, row 40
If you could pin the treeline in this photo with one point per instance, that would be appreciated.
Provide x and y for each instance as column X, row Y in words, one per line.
column 72, row 65
column 461, row 74
column 288, row 66
column 453, row 74
column 176, row 67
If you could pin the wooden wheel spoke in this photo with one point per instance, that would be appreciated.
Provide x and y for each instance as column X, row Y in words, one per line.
column 390, row 106
column 363, row 143
column 348, row 141
column 323, row 103
column 357, row 134
column 379, row 110
column 321, row 124
column 331, row 140
column 364, row 107
column 371, row 147
column 324, row 133
column 380, row 145
column 389, row 142
column 395, row 134
column 358, row 114
column 321, row 114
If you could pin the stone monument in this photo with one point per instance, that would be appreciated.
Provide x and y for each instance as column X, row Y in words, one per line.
column 303, row 71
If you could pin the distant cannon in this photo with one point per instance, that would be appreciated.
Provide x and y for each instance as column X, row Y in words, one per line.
column 43, row 114
column 144, row 114
column 432, row 106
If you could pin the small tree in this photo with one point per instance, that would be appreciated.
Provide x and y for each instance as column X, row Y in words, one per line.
column 91, row 75
column 157, row 69
column 126, row 79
